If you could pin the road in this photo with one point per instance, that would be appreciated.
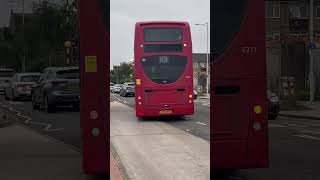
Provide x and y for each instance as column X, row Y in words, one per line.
column 197, row 124
column 294, row 143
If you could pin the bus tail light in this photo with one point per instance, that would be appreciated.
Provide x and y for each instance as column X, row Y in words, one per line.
column 257, row 109
column 190, row 96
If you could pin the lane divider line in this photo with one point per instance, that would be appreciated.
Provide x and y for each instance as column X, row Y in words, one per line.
column 201, row 123
column 307, row 137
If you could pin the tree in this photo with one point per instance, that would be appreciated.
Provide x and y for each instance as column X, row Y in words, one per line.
column 122, row 73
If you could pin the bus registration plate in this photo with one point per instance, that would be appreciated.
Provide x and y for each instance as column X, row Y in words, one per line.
column 165, row 112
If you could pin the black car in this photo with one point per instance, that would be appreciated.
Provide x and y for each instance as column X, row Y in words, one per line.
column 127, row 91
column 57, row 86
column 273, row 105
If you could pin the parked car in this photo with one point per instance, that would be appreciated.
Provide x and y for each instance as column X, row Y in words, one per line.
column 20, row 85
column 273, row 105
column 116, row 88
column 56, row 87
column 129, row 84
column 195, row 94
column 127, row 91
column 4, row 81
column 111, row 86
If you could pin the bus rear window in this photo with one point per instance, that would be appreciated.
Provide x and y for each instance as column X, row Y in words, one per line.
column 164, row 69
column 162, row 34
column 163, row 48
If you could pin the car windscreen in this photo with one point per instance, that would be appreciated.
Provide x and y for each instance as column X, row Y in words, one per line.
column 164, row 69
column 68, row 74
column 29, row 78
column 162, row 34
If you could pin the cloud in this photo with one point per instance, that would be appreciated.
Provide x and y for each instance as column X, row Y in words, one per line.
column 125, row 13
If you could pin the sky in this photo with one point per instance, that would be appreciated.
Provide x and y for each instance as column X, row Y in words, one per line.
column 125, row 13
column 5, row 8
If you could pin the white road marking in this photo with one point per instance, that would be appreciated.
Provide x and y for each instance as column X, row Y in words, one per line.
column 14, row 103
column 271, row 125
column 312, row 132
column 201, row 123
column 307, row 137
column 28, row 121
column 295, row 125
column 206, row 104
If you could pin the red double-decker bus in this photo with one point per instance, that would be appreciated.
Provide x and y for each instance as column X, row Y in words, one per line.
column 94, row 68
column 163, row 69
column 239, row 125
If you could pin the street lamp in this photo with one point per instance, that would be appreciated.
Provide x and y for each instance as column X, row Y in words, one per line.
column 207, row 27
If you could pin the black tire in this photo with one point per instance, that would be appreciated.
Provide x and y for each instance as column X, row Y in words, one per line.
column 272, row 116
column 5, row 96
column 47, row 106
column 34, row 104
column 13, row 98
column 76, row 107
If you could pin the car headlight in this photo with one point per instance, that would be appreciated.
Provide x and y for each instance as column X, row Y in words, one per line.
column 274, row 99
column 127, row 90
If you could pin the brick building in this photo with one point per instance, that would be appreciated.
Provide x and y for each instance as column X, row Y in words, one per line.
column 287, row 40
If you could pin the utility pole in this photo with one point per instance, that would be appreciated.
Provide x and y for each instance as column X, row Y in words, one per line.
column 68, row 37
column 23, row 69
column 207, row 68
column 311, row 73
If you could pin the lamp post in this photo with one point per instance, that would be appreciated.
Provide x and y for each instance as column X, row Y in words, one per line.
column 207, row 73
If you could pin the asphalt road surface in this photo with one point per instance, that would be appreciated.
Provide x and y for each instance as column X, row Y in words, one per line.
column 197, row 124
column 294, row 143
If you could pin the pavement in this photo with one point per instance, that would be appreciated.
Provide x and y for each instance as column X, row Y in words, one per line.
column 197, row 124
column 150, row 149
column 205, row 96
column 312, row 113
column 32, row 155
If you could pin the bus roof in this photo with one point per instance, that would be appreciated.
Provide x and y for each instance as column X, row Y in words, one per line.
column 152, row 23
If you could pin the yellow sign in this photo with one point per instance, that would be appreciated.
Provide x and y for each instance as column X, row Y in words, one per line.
column 91, row 63
column 138, row 81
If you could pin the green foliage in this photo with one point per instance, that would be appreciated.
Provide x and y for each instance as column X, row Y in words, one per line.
column 122, row 73
column 41, row 38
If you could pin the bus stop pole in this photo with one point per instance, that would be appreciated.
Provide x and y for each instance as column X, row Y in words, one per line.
column 208, row 78
column 311, row 74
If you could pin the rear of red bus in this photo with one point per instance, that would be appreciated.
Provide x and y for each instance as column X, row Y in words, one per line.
column 163, row 69
column 239, row 125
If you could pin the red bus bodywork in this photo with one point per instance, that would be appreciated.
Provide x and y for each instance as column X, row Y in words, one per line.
column 94, row 68
column 239, row 124
column 152, row 97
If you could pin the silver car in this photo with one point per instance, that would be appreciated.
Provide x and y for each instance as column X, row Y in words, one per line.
column 4, row 81
column 58, row 86
column 20, row 85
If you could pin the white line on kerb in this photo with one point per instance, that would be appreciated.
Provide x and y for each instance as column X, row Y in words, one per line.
column 201, row 123
column 307, row 137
